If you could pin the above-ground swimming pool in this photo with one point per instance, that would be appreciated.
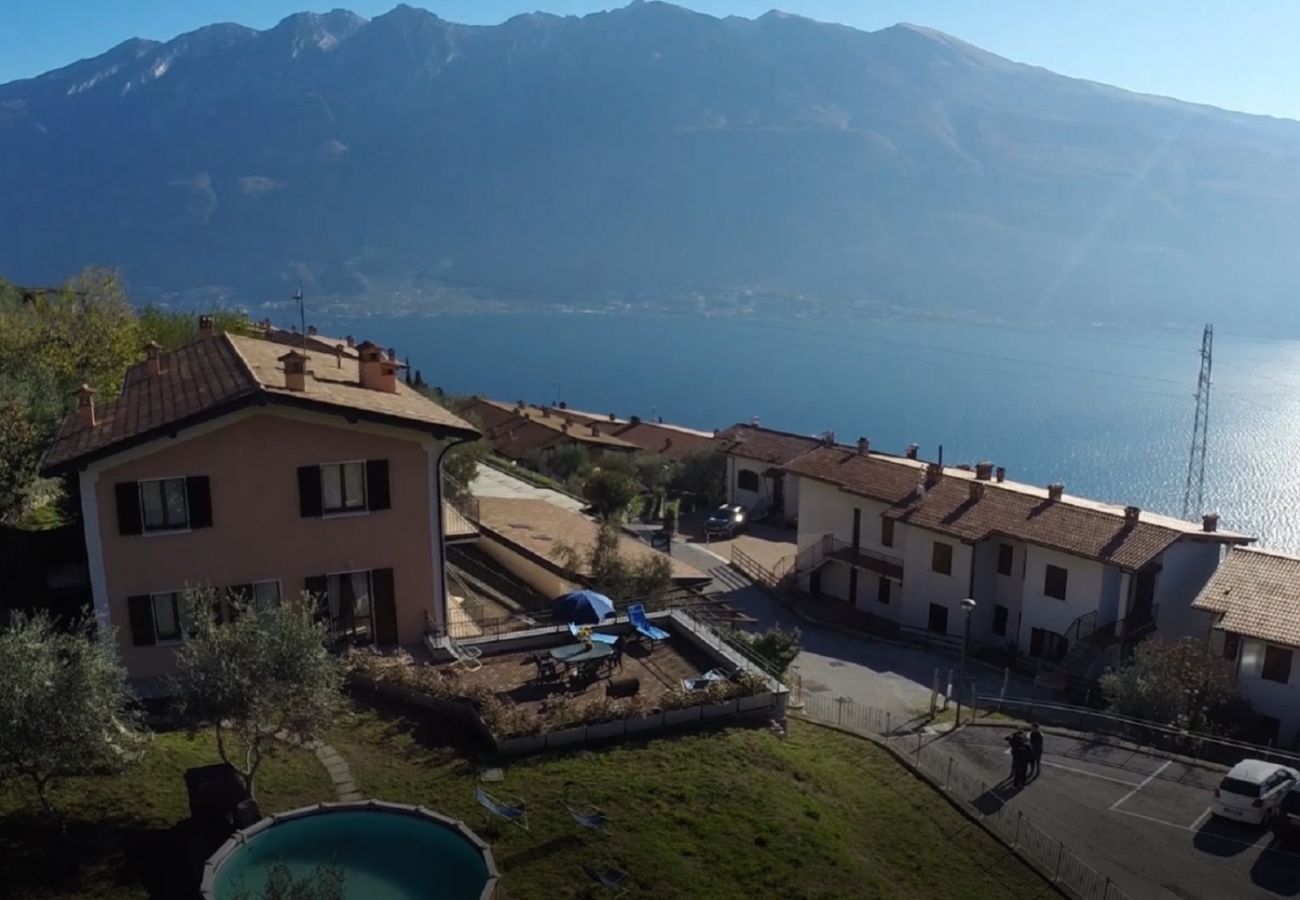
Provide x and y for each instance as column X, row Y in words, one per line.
column 386, row 851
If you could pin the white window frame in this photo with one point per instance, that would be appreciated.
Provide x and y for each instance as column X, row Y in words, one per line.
column 341, row 512
column 166, row 529
column 370, row 594
column 178, row 602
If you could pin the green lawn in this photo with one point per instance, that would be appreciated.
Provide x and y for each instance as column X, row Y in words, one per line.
column 118, row 842
column 740, row 813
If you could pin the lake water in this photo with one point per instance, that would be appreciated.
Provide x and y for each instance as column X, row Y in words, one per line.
column 1109, row 413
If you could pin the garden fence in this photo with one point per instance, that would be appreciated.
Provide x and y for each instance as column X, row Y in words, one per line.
column 1049, row 855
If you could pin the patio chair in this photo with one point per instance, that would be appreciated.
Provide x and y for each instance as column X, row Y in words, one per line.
column 547, row 668
column 700, row 682
column 513, row 810
column 587, row 816
column 614, row 879
column 636, row 614
column 465, row 657
column 595, row 635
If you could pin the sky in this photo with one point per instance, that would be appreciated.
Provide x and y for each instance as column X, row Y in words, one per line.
column 1239, row 56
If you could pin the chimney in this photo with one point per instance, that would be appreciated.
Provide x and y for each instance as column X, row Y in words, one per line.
column 311, row 330
column 338, row 355
column 864, row 446
column 612, row 417
column 377, row 373
column 912, row 451
column 1210, row 523
column 86, row 406
column 595, row 430
column 519, row 404
column 1132, row 513
column 1055, row 490
column 983, row 470
column 828, row 438
column 350, row 341
column 546, row 412
column 932, row 472
column 635, row 420
column 392, row 354
column 976, row 490
column 295, row 370
column 205, row 327
column 753, row 421
column 153, row 353
column 1001, row 474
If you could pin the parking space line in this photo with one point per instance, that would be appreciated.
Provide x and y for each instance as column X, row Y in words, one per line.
column 1201, row 819
column 1132, row 784
column 1214, row 837
column 1152, row 819
column 1145, row 782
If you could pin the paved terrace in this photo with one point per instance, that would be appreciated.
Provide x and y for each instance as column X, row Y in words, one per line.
column 513, row 676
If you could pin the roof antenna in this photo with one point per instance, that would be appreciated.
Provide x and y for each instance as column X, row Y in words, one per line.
column 302, row 315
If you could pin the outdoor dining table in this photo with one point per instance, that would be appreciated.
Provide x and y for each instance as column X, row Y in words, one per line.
column 573, row 654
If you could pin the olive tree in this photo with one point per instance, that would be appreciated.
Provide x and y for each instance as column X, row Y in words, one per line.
column 264, row 672
column 65, row 709
column 1179, row 683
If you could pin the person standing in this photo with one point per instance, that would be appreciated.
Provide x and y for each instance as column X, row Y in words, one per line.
column 1036, row 746
column 1015, row 741
column 1021, row 758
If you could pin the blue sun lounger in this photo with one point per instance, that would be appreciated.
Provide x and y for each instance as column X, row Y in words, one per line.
column 610, row 878
column 588, row 816
column 636, row 614
column 514, row 811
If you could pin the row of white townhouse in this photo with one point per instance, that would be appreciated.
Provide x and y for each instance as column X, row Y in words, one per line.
column 907, row 540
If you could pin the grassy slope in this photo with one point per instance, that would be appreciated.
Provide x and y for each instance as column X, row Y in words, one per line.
column 739, row 814
column 118, row 826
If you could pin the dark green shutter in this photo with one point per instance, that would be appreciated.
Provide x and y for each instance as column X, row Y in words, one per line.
column 140, row 612
column 377, row 496
column 198, row 497
column 128, row 507
column 384, row 603
column 309, row 500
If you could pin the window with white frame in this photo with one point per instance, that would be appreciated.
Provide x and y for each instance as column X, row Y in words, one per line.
column 264, row 594
column 350, row 606
column 163, row 506
column 343, row 487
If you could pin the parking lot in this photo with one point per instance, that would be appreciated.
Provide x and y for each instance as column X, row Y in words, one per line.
column 1141, row 819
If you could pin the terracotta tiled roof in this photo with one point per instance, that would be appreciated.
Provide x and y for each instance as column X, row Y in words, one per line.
column 209, row 377
column 766, row 445
column 949, row 508
column 670, row 443
column 519, row 439
column 538, row 527
column 1258, row 595
column 883, row 478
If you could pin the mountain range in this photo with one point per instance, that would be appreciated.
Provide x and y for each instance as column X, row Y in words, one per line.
column 649, row 155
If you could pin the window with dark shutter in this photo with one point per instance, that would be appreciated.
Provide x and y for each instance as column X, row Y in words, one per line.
column 128, row 508
column 886, row 532
column 377, row 496
column 385, row 605
column 198, row 496
column 941, row 559
column 1006, row 559
column 309, row 498
column 1054, row 582
column 140, row 612
column 747, row 480
column 1277, row 664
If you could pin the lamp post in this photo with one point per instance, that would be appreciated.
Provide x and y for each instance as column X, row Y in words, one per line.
column 967, row 607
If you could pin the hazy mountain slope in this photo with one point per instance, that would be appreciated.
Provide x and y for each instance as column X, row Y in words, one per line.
column 646, row 153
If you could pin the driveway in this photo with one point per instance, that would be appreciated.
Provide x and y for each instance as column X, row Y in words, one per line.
column 490, row 482
column 1139, row 818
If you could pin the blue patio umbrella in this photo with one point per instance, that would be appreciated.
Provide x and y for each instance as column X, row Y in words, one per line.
column 583, row 608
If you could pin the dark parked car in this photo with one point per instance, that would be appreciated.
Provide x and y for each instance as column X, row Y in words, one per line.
column 725, row 521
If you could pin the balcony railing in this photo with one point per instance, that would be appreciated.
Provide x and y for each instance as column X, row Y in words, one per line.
column 460, row 510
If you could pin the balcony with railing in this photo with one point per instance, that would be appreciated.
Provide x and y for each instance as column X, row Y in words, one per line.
column 460, row 513
column 859, row 558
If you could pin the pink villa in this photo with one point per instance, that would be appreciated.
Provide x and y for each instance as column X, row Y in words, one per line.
column 253, row 465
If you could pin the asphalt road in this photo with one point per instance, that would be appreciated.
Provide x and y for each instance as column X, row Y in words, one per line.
column 1140, row 819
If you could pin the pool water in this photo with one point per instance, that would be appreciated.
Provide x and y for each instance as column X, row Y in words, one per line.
column 383, row 855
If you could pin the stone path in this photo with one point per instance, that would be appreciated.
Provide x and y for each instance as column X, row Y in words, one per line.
column 345, row 785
